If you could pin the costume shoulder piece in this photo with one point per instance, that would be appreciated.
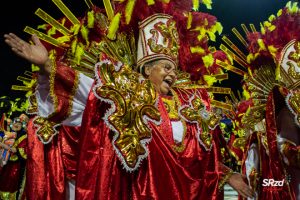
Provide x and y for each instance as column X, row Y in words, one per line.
column 196, row 109
column 132, row 101
column 271, row 60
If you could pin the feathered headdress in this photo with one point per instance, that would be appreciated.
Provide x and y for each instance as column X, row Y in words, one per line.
column 195, row 30
column 275, row 39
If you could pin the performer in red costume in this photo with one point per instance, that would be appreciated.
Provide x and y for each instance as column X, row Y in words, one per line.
column 146, row 135
column 271, row 160
column 12, row 173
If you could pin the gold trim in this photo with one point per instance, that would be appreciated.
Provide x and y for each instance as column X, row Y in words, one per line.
column 89, row 4
column 22, row 78
column 46, row 129
column 74, row 89
column 245, row 29
column 235, row 57
column 239, row 36
column 221, row 105
column 252, row 27
column 233, row 154
column 33, row 106
column 8, row 195
column 52, row 82
column 20, row 88
column 22, row 153
column 230, row 68
column 152, row 18
column 13, row 158
column 234, row 47
column 109, row 10
column 180, row 147
column 224, row 179
column 19, row 140
column 254, row 176
column 219, row 90
column 132, row 102
column 220, row 77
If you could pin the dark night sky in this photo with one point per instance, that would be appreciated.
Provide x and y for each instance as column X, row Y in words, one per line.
column 15, row 15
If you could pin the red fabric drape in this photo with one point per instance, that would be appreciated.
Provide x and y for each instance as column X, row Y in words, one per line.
column 271, row 163
column 49, row 166
column 164, row 174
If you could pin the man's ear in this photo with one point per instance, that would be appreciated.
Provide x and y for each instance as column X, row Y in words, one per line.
column 147, row 70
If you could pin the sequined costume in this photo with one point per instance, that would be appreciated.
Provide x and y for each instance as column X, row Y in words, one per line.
column 7, row 139
column 166, row 142
column 269, row 115
column 12, row 174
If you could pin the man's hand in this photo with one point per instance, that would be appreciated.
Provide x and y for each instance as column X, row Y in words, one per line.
column 35, row 53
column 236, row 181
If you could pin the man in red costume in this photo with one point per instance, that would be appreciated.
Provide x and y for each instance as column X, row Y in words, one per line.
column 271, row 159
column 141, row 137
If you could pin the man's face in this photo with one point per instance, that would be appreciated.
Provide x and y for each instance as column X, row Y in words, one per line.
column 17, row 125
column 8, row 122
column 162, row 75
column 24, row 118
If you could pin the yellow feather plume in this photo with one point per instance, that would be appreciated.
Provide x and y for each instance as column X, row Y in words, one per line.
column 197, row 49
column 85, row 34
column 108, row 8
column 91, row 19
column 208, row 60
column 114, row 26
column 279, row 13
column 246, row 94
column 207, row 3
column 210, row 80
column 196, row 4
column 272, row 50
column 79, row 52
column 189, row 21
column 277, row 73
column 261, row 45
column 73, row 46
column 35, row 68
column 150, row 2
column 129, row 9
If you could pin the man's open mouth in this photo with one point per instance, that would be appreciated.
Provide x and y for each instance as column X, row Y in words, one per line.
column 169, row 82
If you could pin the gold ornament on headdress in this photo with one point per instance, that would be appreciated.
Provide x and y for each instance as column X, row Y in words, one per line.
column 289, row 65
column 170, row 39
column 293, row 103
column 158, row 39
column 294, row 56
